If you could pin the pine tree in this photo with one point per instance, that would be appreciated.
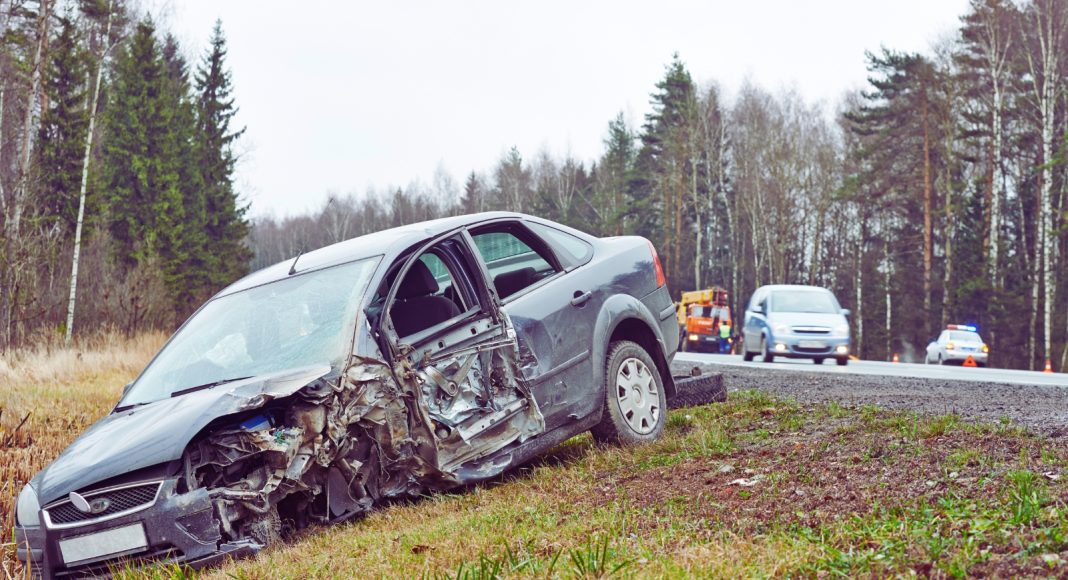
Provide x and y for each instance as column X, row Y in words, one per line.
column 225, row 227
column 142, row 176
column 61, row 134
column 185, row 254
column 615, row 173
column 664, row 169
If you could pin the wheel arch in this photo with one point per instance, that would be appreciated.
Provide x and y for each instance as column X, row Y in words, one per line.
column 623, row 317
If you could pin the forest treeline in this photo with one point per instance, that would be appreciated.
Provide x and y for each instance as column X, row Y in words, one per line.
column 935, row 195
column 117, row 204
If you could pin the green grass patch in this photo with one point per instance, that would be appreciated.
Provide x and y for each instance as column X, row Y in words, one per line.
column 756, row 486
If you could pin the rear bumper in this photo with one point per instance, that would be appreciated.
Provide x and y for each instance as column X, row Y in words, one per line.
column 961, row 356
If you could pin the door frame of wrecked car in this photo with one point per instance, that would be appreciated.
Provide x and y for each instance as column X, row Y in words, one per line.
column 488, row 302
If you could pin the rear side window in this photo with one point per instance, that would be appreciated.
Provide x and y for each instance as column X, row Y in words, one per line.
column 575, row 251
column 512, row 264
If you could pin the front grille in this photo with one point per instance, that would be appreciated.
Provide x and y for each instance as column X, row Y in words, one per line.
column 120, row 500
column 811, row 330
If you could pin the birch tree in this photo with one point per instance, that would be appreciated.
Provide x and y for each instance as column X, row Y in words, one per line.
column 1042, row 29
column 105, row 47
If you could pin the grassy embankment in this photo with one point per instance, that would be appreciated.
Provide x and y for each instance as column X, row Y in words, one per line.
column 755, row 486
column 50, row 394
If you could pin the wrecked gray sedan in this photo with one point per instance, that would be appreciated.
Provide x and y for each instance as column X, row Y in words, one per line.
column 399, row 363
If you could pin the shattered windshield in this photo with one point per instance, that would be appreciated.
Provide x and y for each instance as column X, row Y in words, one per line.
column 302, row 320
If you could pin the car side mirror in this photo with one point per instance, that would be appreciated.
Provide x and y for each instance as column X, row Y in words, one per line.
column 846, row 312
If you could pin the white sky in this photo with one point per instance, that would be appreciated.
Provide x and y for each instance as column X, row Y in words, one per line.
column 341, row 96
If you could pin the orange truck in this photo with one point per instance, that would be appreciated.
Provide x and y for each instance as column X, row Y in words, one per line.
column 700, row 314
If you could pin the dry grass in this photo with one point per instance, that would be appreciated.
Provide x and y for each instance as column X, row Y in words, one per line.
column 51, row 393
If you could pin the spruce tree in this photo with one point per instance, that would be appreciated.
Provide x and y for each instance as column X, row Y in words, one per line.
column 142, row 176
column 135, row 171
column 226, row 254
column 184, row 254
column 61, row 134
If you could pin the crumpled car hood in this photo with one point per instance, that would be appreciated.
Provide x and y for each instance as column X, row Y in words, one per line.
column 159, row 432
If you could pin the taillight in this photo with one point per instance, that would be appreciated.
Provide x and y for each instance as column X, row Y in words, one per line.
column 661, row 279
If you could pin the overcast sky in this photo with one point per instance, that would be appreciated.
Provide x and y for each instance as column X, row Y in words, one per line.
column 341, row 96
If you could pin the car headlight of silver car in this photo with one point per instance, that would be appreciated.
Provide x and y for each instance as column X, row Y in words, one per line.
column 841, row 329
column 28, row 508
column 780, row 328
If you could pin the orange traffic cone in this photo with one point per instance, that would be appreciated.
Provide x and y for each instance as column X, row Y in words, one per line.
column 1049, row 367
column 896, row 360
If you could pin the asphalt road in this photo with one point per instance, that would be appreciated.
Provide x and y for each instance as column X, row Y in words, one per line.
column 1036, row 401
column 885, row 369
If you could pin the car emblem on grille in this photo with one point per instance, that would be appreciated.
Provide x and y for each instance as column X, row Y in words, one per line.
column 90, row 507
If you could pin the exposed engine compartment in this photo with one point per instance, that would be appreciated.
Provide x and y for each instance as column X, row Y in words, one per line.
column 337, row 447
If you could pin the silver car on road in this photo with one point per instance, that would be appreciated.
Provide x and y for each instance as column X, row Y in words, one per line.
column 795, row 322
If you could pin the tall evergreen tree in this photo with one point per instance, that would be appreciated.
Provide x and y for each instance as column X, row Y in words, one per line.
column 186, row 255
column 225, row 226
column 61, row 134
column 612, row 193
column 142, row 177
column 664, row 168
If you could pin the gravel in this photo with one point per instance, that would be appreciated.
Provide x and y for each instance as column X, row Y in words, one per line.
column 1040, row 409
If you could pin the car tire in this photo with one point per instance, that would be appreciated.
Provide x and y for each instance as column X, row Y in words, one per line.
column 940, row 361
column 765, row 353
column 842, row 361
column 818, row 360
column 746, row 355
column 635, row 404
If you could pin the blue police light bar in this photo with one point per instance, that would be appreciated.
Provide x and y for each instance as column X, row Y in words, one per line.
column 961, row 327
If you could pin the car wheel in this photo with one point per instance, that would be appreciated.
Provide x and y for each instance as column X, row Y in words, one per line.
column 746, row 355
column 635, row 406
column 818, row 360
column 940, row 361
column 842, row 361
column 768, row 357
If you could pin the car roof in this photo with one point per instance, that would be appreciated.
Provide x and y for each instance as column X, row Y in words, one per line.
column 384, row 242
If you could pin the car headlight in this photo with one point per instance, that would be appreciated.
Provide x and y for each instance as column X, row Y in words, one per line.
column 27, row 509
column 986, row 348
column 841, row 329
column 950, row 346
column 779, row 328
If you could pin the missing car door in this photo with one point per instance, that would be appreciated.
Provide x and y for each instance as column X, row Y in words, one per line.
column 456, row 351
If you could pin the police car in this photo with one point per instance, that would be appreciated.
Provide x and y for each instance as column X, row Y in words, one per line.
column 958, row 343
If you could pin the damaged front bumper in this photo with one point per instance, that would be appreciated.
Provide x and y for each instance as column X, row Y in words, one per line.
column 172, row 528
